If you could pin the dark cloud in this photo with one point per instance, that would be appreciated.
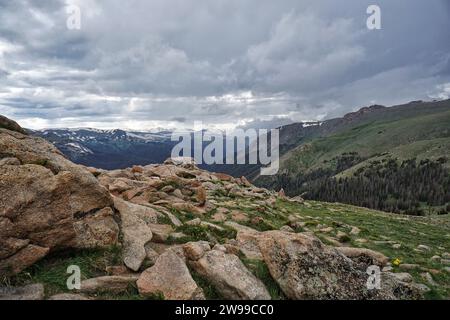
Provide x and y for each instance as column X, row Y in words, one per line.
column 258, row 63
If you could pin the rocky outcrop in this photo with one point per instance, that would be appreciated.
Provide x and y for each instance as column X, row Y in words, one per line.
column 48, row 202
column 305, row 268
column 10, row 125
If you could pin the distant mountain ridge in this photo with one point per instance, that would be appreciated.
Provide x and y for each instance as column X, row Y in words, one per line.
column 109, row 149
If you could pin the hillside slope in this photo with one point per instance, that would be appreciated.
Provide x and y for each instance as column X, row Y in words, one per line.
column 381, row 138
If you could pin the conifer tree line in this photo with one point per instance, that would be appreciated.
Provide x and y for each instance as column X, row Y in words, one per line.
column 416, row 187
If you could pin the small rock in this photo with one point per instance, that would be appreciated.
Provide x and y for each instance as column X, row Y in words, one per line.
column 403, row 276
column 342, row 236
column 355, row 231
column 375, row 257
column 220, row 247
column 409, row 266
column 194, row 222
column 286, row 229
column 421, row 287
column 113, row 284
column 445, row 261
column 196, row 250
column 396, row 246
column 219, row 217
column 152, row 255
column 428, row 278
column 68, row 297
column 435, row 258
column 160, row 232
column 423, row 247
column 177, row 235
column 239, row 216
column 116, row 270
column 327, row 229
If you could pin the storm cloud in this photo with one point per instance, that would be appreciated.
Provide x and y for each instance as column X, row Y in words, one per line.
column 167, row 63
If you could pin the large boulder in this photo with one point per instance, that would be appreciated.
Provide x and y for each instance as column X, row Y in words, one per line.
column 305, row 268
column 136, row 231
column 47, row 202
column 171, row 278
column 226, row 273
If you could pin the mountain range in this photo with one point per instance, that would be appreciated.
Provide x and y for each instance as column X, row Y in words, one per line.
column 330, row 160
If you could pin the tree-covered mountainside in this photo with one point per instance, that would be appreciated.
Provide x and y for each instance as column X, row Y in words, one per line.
column 394, row 159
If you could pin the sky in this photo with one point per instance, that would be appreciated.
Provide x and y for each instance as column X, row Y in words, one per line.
column 143, row 65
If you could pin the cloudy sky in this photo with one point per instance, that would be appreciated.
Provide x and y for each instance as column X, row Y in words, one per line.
column 165, row 63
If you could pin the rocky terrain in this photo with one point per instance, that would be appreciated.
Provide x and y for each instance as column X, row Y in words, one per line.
column 174, row 231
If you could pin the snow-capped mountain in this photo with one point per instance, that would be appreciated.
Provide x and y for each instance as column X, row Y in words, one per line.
column 110, row 149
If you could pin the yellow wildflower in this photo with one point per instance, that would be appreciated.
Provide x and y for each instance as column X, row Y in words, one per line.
column 396, row 262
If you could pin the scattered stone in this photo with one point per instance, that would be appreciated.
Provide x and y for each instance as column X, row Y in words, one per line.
column 201, row 195
column 367, row 256
column 151, row 254
column 435, row 258
column 428, row 278
column 421, row 287
column 220, row 247
column 194, row 222
column 422, row 247
column 355, row 231
column 238, row 227
column 219, row 217
column 29, row 292
column 116, row 270
column 409, row 266
column 326, row 229
column 403, row 276
column 396, row 246
column 342, row 236
column 239, row 216
column 286, row 229
column 445, row 261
